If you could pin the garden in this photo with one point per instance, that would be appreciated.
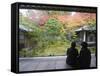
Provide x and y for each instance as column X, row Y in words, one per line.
column 49, row 33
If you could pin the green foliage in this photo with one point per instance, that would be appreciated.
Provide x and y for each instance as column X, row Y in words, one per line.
column 91, row 22
column 93, row 49
column 45, row 39
column 25, row 53
column 74, row 36
column 53, row 27
column 26, row 22
column 49, row 40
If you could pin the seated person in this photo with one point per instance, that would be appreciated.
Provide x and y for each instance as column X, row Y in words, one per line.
column 85, row 56
column 72, row 54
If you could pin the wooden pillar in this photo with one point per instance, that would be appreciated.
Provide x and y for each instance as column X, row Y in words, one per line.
column 84, row 36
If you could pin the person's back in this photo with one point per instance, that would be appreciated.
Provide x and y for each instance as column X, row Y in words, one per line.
column 72, row 54
column 85, row 56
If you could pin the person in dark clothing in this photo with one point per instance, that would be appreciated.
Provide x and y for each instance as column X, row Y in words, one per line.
column 85, row 56
column 72, row 54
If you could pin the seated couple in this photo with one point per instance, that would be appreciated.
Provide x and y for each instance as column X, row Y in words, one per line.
column 78, row 60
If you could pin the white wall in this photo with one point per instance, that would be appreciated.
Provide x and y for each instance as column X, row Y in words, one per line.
column 5, row 33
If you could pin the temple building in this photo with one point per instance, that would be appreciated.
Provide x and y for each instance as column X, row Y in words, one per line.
column 23, row 39
column 87, row 34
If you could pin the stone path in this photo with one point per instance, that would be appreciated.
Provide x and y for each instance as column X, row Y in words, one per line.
column 47, row 63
